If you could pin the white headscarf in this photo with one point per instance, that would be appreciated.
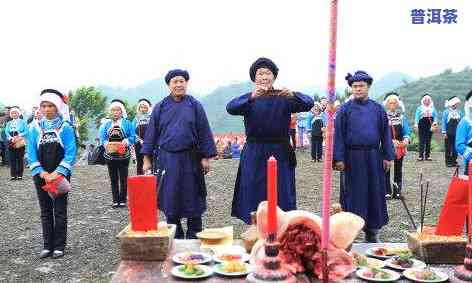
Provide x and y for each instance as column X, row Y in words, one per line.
column 13, row 109
column 397, row 99
column 119, row 105
column 143, row 102
column 52, row 96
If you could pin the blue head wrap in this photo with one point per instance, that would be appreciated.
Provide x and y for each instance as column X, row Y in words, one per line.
column 175, row 73
column 359, row 76
column 262, row 63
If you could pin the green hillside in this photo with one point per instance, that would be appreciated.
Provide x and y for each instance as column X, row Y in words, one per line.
column 215, row 107
column 440, row 87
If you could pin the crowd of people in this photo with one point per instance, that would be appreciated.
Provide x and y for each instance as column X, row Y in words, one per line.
column 174, row 141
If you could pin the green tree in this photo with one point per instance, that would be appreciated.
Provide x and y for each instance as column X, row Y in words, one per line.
column 89, row 106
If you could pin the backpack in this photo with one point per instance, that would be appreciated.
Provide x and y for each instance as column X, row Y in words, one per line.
column 97, row 156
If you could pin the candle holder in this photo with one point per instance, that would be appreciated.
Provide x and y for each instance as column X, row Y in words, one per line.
column 464, row 272
column 270, row 269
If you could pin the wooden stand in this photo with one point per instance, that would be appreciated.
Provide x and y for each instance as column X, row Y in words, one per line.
column 146, row 246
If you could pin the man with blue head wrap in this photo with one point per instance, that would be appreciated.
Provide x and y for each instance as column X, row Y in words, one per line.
column 179, row 136
column 363, row 149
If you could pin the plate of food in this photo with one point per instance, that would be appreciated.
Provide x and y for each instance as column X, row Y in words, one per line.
column 362, row 261
column 425, row 275
column 233, row 268
column 194, row 257
column 191, row 271
column 404, row 261
column 385, row 253
column 211, row 236
column 231, row 256
column 377, row 274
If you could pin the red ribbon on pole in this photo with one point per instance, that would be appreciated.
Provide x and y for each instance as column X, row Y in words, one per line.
column 328, row 159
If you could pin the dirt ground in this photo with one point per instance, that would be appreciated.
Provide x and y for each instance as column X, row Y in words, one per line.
column 92, row 252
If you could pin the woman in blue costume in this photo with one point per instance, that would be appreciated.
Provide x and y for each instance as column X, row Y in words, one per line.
column 363, row 149
column 143, row 114
column 426, row 121
column 400, row 132
column 451, row 118
column 16, row 130
column 464, row 133
column 118, row 129
column 51, row 152
column 266, row 114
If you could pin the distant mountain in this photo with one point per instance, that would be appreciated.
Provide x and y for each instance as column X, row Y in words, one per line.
column 215, row 107
column 380, row 86
column 154, row 90
column 388, row 83
column 440, row 87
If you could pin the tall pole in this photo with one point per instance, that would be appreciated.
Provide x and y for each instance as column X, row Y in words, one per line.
column 328, row 160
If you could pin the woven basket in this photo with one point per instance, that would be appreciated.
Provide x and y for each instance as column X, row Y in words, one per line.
column 437, row 251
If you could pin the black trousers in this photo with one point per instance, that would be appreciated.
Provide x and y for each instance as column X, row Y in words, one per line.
column 139, row 159
column 450, row 150
column 425, row 136
column 397, row 176
column 17, row 156
column 194, row 226
column 3, row 154
column 118, row 172
column 53, row 217
column 293, row 136
column 316, row 147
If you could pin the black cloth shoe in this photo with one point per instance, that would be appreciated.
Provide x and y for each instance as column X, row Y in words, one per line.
column 420, row 159
column 372, row 236
column 57, row 254
column 115, row 205
column 45, row 253
column 19, row 178
column 122, row 204
column 388, row 196
column 429, row 159
column 12, row 178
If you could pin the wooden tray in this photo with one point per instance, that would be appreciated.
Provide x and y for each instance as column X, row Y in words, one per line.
column 147, row 246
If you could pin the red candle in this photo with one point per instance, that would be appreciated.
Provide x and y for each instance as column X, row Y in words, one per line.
column 272, row 195
column 142, row 202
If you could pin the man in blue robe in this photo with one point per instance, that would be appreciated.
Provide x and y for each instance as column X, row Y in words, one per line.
column 363, row 149
column 266, row 113
column 180, row 137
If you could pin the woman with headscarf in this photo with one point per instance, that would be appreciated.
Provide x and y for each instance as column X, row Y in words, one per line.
column 451, row 117
column 266, row 113
column 117, row 136
column 317, row 121
column 15, row 131
column 52, row 151
column 141, row 122
column 425, row 124
column 400, row 132
column 464, row 133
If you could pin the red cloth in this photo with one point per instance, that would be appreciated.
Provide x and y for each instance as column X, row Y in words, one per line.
column 51, row 187
column 142, row 198
column 454, row 211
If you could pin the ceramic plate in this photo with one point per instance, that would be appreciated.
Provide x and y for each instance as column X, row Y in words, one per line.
column 184, row 257
column 207, row 271
column 409, row 273
column 393, row 275
column 217, row 269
